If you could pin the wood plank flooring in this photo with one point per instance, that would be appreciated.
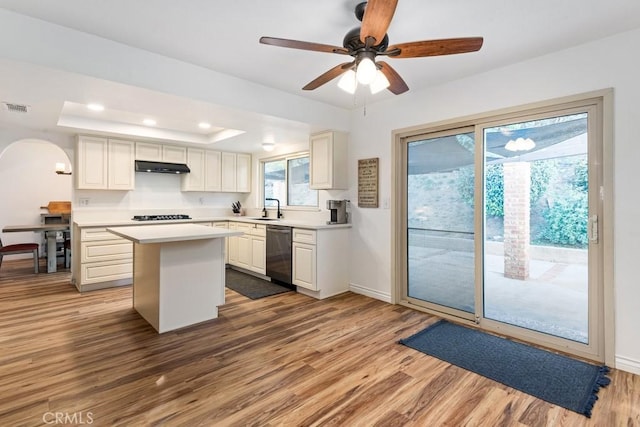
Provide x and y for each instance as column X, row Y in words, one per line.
column 286, row 360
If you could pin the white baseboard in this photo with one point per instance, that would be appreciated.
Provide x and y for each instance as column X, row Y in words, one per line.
column 372, row 293
column 628, row 365
column 105, row 285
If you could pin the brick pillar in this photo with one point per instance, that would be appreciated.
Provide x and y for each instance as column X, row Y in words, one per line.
column 517, row 235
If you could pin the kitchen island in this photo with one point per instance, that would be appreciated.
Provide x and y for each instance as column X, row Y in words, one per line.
column 178, row 272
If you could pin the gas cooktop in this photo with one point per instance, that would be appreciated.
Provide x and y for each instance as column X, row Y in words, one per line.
column 159, row 217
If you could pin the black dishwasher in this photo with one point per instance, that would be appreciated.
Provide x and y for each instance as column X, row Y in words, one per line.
column 279, row 253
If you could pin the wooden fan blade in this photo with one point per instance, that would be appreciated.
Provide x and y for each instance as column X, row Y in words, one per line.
column 376, row 20
column 397, row 85
column 329, row 75
column 435, row 47
column 296, row 44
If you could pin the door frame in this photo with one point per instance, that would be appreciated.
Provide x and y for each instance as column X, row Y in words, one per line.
column 604, row 100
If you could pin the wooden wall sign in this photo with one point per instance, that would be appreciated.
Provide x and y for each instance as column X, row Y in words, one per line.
column 368, row 183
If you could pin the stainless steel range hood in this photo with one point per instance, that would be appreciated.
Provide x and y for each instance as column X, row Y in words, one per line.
column 161, row 167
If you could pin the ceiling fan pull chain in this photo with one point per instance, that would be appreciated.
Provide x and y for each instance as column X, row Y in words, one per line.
column 364, row 107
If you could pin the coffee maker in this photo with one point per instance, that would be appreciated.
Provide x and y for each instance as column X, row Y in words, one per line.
column 338, row 210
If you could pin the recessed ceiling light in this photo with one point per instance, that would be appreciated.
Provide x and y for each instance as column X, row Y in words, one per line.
column 268, row 145
column 149, row 122
column 203, row 125
column 95, row 107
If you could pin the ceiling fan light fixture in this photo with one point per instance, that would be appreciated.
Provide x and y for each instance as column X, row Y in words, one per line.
column 365, row 42
column 380, row 83
column 348, row 82
column 366, row 71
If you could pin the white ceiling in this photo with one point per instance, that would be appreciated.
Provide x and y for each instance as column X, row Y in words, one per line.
column 223, row 36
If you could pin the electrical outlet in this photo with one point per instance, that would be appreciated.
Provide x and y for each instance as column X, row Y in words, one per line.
column 201, row 200
column 84, row 201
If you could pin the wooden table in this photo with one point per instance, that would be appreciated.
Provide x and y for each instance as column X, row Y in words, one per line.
column 178, row 272
column 50, row 231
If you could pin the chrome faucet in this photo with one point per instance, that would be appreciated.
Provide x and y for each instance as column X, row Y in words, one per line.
column 279, row 214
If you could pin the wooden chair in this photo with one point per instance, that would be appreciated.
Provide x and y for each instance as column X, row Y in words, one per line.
column 21, row 248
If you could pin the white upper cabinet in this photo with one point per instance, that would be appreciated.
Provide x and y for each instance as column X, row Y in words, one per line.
column 243, row 173
column 194, row 180
column 160, row 153
column 228, row 179
column 90, row 169
column 206, row 170
column 328, row 161
column 104, row 164
column 148, row 151
column 217, row 171
column 174, row 154
column 236, row 172
column 109, row 164
column 121, row 166
column 212, row 170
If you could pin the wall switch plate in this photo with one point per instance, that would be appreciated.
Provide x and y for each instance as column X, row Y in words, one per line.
column 385, row 203
column 84, row 201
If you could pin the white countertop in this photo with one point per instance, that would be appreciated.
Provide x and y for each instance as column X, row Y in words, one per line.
column 252, row 220
column 163, row 233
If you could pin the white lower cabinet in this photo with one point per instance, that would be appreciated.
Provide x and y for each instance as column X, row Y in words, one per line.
column 244, row 251
column 104, row 260
column 258, row 254
column 249, row 250
column 319, row 263
column 304, row 265
column 232, row 242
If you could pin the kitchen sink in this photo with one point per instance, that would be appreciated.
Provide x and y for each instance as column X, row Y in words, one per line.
column 265, row 219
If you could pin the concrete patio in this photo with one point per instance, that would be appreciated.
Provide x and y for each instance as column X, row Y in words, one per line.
column 552, row 300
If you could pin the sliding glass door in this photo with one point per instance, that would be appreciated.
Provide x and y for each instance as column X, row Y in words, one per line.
column 502, row 226
column 440, row 224
column 537, row 217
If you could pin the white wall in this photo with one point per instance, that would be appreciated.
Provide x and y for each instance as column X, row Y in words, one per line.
column 27, row 173
column 598, row 65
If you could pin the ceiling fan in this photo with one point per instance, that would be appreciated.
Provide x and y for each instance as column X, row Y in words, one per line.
column 370, row 40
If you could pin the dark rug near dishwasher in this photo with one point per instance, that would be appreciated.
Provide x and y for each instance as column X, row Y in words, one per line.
column 558, row 379
column 251, row 286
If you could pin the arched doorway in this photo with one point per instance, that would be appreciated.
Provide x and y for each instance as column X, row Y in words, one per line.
column 27, row 171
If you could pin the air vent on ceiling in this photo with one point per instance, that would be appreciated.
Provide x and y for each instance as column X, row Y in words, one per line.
column 16, row 108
